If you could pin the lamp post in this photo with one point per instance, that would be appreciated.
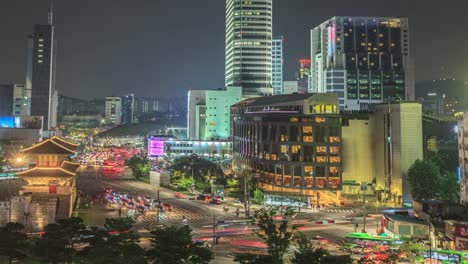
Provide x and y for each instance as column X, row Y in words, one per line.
column 365, row 214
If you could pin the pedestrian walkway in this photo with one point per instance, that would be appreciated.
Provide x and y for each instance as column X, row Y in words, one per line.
column 340, row 210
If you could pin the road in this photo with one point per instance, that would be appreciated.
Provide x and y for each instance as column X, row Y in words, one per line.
column 199, row 214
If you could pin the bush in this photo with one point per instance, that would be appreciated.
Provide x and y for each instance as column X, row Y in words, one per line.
column 203, row 187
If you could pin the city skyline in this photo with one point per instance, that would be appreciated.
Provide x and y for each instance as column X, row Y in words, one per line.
column 147, row 62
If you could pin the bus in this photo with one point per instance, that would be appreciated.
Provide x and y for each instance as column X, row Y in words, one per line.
column 364, row 240
column 446, row 256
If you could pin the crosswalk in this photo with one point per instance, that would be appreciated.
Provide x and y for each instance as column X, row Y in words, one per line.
column 339, row 210
column 177, row 215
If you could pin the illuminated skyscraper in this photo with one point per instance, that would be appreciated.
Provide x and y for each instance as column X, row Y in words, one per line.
column 365, row 60
column 249, row 46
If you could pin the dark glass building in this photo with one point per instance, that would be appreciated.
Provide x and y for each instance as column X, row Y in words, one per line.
column 293, row 142
column 6, row 100
column 43, row 60
column 365, row 60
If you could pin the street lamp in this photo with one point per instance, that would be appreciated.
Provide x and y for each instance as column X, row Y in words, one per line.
column 365, row 213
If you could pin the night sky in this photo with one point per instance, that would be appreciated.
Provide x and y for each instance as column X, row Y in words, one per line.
column 162, row 48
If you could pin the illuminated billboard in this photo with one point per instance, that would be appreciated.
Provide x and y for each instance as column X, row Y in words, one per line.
column 156, row 147
column 7, row 121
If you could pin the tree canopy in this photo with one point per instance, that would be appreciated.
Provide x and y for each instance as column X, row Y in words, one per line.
column 174, row 245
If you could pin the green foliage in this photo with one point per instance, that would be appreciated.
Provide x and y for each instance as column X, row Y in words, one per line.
column 196, row 166
column 116, row 243
column 258, row 196
column 58, row 242
column 174, row 245
column 411, row 250
column 307, row 254
column 424, row 179
column 252, row 259
column 203, row 187
column 232, row 183
column 277, row 237
column 3, row 161
column 450, row 189
column 139, row 165
column 186, row 182
column 12, row 241
column 429, row 180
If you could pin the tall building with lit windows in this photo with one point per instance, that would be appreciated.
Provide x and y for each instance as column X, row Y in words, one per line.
column 277, row 65
column 40, row 77
column 249, row 46
column 365, row 60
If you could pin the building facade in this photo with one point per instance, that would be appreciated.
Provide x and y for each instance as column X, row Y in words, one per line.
column 293, row 142
column 159, row 146
column 128, row 104
column 6, row 100
column 114, row 110
column 277, row 62
column 463, row 158
column 209, row 113
column 42, row 72
column 379, row 146
column 365, row 60
column 249, row 46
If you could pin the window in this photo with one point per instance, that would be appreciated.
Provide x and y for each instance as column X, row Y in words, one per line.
column 321, row 159
column 320, row 120
column 39, row 61
column 308, row 139
column 307, row 129
column 419, row 230
column 321, row 149
column 335, row 159
column 308, row 170
column 334, row 150
column 405, row 230
column 334, row 139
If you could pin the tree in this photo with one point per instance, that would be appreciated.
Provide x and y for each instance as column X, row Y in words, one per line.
column 174, row 245
column 450, row 188
column 115, row 243
column 3, row 161
column 424, row 179
column 12, row 241
column 277, row 237
column 411, row 250
column 258, row 196
column 187, row 182
column 58, row 242
column 139, row 165
column 307, row 254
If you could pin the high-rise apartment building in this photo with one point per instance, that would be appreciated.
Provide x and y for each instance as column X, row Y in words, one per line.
column 277, row 65
column 249, row 46
column 209, row 113
column 365, row 60
column 41, row 74
column 114, row 110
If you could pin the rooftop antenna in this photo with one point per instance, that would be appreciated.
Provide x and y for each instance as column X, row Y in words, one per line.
column 51, row 13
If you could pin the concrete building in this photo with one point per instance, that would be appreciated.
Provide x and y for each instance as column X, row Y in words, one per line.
column 371, row 150
column 293, row 143
column 277, row 62
column 463, row 158
column 290, row 87
column 365, row 60
column 248, row 62
column 379, row 146
column 160, row 145
column 209, row 113
column 113, row 110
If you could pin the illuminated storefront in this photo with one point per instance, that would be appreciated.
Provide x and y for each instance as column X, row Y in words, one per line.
column 293, row 142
